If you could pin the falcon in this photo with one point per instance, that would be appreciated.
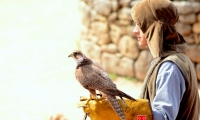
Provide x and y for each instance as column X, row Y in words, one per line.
column 92, row 77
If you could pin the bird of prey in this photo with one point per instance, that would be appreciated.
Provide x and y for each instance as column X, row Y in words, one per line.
column 92, row 77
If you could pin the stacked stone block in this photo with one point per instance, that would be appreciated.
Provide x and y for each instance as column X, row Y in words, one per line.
column 107, row 37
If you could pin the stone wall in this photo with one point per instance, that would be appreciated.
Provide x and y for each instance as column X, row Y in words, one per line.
column 107, row 37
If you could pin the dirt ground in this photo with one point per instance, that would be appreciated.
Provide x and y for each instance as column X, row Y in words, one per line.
column 36, row 77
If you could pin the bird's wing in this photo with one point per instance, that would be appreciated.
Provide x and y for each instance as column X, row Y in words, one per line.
column 102, row 73
column 98, row 68
column 111, row 89
column 92, row 77
column 98, row 65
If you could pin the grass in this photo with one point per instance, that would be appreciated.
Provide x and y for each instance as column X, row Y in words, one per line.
column 114, row 76
column 133, row 79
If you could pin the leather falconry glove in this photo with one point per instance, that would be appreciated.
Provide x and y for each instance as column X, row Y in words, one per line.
column 100, row 109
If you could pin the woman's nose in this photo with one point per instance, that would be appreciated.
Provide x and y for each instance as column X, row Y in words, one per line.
column 136, row 30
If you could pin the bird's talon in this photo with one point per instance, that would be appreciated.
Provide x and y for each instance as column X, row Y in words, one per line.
column 100, row 95
column 83, row 105
column 83, row 98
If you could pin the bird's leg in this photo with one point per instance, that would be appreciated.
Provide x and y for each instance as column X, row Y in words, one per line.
column 89, row 100
column 92, row 95
column 100, row 95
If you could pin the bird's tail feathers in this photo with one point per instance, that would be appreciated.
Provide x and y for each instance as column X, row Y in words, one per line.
column 116, row 106
column 126, row 96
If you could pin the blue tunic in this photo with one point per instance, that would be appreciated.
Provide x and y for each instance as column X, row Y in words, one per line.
column 170, row 87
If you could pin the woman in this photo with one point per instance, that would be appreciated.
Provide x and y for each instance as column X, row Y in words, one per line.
column 171, row 83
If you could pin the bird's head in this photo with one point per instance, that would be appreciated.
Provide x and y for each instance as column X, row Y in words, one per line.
column 78, row 56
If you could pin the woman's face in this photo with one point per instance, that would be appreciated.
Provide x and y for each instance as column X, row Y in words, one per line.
column 140, row 36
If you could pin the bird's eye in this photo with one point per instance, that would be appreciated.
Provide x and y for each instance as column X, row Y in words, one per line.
column 75, row 53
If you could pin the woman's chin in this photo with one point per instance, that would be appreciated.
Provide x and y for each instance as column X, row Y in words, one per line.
column 142, row 45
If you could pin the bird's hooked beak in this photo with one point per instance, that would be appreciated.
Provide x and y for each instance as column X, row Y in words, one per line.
column 71, row 55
